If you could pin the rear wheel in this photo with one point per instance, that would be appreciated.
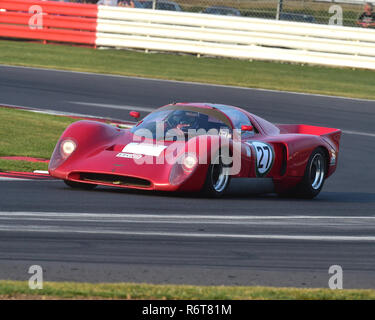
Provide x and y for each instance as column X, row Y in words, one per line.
column 315, row 174
column 79, row 185
column 217, row 179
column 313, row 179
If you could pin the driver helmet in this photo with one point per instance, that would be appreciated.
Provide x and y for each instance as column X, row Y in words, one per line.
column 185, row 119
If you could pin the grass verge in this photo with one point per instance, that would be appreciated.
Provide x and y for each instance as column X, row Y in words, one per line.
column 256, row 74
column 21, row 166
column 24, row 133
column 67, row 290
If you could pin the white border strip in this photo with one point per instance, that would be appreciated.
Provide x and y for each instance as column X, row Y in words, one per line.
column 173, row 216
column 51, row 229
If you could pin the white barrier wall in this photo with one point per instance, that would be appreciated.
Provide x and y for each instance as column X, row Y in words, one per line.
column 236, row 37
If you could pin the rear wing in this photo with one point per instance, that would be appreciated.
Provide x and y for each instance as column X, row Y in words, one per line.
column 331, row 135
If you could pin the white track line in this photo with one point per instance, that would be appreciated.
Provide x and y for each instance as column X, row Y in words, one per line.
column 188, row 82
column 56, row 113
column 25, row 221
column 112, row 106
column 13, row 179
column 60, row 229
column 326, row 221
column 172, row 216
column 359, row 133
column 323, row 223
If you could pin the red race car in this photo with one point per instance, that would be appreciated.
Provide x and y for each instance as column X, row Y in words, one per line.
column 196, row 147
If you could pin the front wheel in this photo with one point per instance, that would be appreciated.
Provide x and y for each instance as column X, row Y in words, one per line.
column 79, row 185
column 217, row 179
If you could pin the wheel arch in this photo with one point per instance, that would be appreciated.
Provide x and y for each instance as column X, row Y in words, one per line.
column 326, row 156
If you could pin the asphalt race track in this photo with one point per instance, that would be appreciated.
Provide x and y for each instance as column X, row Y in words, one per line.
column 110, row 235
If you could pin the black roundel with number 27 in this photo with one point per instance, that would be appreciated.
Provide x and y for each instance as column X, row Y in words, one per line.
column 264, row 157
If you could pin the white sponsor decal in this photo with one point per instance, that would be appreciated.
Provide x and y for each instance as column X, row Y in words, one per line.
column 264, row 157
column 129, row 155
column 248, row 149
column 146, row 149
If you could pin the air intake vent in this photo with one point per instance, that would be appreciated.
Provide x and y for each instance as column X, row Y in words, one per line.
column 113, row 179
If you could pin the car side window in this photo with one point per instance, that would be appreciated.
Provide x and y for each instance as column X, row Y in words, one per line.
column 239, row 119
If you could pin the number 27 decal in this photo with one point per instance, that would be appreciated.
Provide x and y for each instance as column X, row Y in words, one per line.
column 265, row 157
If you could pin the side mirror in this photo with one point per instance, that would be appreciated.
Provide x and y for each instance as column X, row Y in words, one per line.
column 135, row 114
column 247, row 128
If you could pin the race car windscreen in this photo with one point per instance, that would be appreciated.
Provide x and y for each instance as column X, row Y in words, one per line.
column 168, row 123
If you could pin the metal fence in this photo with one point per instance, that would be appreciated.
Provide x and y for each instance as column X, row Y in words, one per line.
column 338, row 12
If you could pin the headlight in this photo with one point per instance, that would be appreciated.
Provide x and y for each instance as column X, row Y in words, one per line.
column 67, row 148
column 61, row 152
column 183, row 167
column 189, row 162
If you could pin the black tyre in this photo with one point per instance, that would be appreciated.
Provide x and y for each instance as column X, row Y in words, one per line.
column 315, row 174
column 217, row 179
column 79, row 185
